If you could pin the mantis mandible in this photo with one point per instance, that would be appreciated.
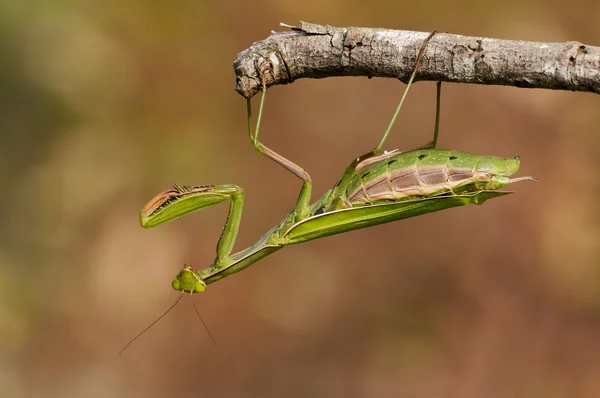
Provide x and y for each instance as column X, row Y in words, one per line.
column 376, row 188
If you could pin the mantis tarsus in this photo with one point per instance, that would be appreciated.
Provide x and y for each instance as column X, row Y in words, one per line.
column 376, row 188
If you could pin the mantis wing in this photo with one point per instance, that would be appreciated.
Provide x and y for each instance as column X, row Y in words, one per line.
column 339, row 221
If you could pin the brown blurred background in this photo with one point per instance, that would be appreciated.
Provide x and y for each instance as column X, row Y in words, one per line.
column 105, row 104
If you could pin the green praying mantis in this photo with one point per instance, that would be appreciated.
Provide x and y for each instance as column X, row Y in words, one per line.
column 376, row 188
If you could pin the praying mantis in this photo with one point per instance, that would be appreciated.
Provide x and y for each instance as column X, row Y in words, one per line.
column 376, row 188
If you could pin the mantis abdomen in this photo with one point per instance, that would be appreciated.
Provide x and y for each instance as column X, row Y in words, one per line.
column 425, row 173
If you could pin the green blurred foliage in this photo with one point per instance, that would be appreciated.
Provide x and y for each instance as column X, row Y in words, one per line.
column 104, row 104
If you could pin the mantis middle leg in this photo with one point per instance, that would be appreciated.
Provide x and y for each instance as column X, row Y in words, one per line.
column 303, row 204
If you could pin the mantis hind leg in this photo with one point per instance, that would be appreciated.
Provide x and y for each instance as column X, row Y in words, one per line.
column 302, row 208
column 432, row 144
column 378, row 148
column 337, row 195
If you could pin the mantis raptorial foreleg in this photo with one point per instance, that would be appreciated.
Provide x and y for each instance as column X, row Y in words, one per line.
column 302, row 205
column 197, row 198
column 232, row 225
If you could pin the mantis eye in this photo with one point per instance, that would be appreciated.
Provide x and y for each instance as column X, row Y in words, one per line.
column 176, row 284
column 199, row 287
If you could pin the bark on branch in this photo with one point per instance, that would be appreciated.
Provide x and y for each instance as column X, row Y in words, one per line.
column 318, row 51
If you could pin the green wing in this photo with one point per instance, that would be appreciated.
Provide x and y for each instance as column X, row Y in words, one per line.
column 339, row 221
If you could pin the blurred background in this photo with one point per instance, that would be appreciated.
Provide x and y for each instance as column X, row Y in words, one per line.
column 105, row 104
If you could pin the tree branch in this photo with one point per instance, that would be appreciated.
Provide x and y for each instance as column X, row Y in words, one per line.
column 318, row 51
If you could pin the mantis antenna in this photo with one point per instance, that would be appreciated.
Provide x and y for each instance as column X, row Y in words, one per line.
column 162, row 316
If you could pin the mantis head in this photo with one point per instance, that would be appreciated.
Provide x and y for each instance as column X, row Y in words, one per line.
column 188, row 281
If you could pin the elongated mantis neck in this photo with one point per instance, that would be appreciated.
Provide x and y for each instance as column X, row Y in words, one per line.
column 266, row 245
